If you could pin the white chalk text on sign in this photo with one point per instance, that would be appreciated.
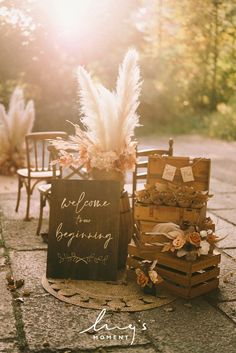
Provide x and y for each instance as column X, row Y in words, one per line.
column 85, row 227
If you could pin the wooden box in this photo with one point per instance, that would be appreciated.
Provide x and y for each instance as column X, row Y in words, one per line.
column 161, row 214
column 201, row 170
column 183, row 278
column 156, row 165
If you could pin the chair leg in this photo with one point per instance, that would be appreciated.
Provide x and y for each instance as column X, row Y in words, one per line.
column 42, row 204
column 20, row 184
column 28, row 191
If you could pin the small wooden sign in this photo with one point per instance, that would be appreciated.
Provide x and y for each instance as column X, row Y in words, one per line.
column 83, row 229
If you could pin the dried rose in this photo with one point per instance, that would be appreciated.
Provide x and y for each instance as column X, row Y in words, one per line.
column 142, row 279
column 154, row 277
column 194, row 238
column 179, row 242
column 204, row 247
column 203, row 233
column 211, row 238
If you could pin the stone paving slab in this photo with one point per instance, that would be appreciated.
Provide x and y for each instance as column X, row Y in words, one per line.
column 30, row 266
column 198, row 329
column 228, row 215
column 227, row 288
column 224, row 228
column 8, row 347
column 7, row 319
column 59, row 324
column 229, row 308
column 8, row 204
column 21, row 235
column 231, row 253
column 136, row 349
column 220, row 187
column 222, row 201
column 2, row 257
column 56, row 320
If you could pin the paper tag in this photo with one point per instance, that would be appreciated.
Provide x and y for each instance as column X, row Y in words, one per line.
column 169, row 172
column 187, row 174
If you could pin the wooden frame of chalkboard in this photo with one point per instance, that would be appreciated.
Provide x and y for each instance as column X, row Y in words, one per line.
column 83, row 229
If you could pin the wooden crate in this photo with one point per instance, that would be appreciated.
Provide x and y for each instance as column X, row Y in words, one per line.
column 183, row 278
column 161, row 214
column 144, row 251
column 201, row 171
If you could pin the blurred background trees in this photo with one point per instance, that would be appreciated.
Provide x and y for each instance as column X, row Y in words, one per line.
column 187, row 50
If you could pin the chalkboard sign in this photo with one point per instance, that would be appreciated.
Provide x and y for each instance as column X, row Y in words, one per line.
column 83, row 229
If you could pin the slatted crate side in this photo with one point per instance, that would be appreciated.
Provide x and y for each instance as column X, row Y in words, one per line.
column 187, row 279
column 206, row 262
column 178, row 278
column 201, row 170
column 170, row 260
column 180, row 264
column 192, row 292
column 133, row 262
column 184, row 278
column 152, row 238
column 145, row 252
column 207, row 274
column 203, row 288
column 163, row 214
column 146, row 226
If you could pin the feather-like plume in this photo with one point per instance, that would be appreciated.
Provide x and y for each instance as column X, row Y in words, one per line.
column 110, row 114
column 91, row 107
column 109, row 118
column 128, row 91
column 15, row 125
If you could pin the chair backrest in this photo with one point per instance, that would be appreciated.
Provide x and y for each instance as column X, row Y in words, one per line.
column 140, row 172
column 70, row 172
column 38, row 156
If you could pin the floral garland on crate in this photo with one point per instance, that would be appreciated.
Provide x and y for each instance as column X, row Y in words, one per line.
column 172, row 195
column 109, row 119
column 147, row 277
column 190, row 242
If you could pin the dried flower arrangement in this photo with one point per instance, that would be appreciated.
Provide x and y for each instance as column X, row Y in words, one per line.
column 147, row 277
column 190, row 242
column 14, row 125
column 173, row 195
column 109, row 120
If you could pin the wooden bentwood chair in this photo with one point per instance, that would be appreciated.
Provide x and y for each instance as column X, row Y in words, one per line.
column 45, row 189
column 38, row 164
column 140, row 172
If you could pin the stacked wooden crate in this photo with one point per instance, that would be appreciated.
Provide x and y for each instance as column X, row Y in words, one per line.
column 185, row 278
column 158, row 214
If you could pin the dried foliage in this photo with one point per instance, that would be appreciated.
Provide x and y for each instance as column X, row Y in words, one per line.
column 190, row 242
column 109, row 120
column 14, row 125
column 171, row 195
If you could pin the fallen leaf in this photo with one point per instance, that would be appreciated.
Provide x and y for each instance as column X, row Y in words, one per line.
column 19, row 283
column 12, row 288
column 10, row 279
column 26, row 293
